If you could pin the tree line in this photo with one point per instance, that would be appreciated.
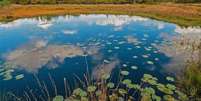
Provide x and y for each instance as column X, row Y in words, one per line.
column 92, row 1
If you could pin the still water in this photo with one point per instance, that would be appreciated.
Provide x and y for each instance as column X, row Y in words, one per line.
column 65, row 46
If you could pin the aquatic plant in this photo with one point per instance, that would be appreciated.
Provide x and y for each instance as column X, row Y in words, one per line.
column 105, row 90
column 134, row 67
column 20, row 76
column 58, row 98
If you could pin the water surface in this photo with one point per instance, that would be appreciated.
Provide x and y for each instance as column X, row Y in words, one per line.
column 65, row 46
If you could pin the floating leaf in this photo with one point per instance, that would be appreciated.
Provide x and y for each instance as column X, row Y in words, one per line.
column 168, row 98
column 122, row 91
column 144, row 39
column 91, row 88
column 150, row 62
column 147, row 49
column 122, row 42
column 129, row 48
column 149, row 79
column 138, row 47
column 83, row 94
column 7, row 76
column 126, row 81
column 98, row 93
column 156, row 59
column 134, row 67
column 124, row 65
column 135, row 57
column 109, row 51
column 148, row 91
column 18, row 77
column 164, row 89
column 1, row 69
column 124, row 73
column 58, row 98
column 105, row 76
column 181, row 96
column 84, row 99
column 116, row 47
column 110, row 85
column 109, row 43
column 170, row 86
column 79, row 92
column 145, row 56
column 106, row 61
column 145, row 35
column 170, row 79
column 156, row 98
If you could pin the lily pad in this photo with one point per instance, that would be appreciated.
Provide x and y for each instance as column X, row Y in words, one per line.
column 109, row 51
column 148, row 91
column 110, row 85
column 168, row 98
column 147, row 49
column 124, row 65
column 121, row 42
column 164, row 89
column 156, row 98
column 138, row 47
column 127, row 81
column 170, row 79
column 129, row 48
column 79, row 92
column 105, row 76
column 116, row 47
column 106, row 61
column 108, row 43
column 145, row 56
column 98, row 93
column 58, row 98
column 91, row 88
column 125, row 73
column 7, row 76
column 150, row 62
column 134, row 67
column 156, row 59
column 135, row 57
column 170, row 86
column 122, row 91
column 20, row 76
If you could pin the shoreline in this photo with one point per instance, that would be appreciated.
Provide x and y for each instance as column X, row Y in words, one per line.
column 181, row 14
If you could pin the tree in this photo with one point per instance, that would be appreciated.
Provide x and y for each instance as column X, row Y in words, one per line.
column 4, row 2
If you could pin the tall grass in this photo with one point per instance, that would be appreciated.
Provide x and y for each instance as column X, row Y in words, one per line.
column 190, row 80
column 103, row 89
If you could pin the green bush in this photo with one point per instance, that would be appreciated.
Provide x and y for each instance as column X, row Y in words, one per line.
column 4, row 3
column 24, row 1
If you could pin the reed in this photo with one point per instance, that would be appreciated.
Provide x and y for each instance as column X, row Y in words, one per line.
column 104, row 89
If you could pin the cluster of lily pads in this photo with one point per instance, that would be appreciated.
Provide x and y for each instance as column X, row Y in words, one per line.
column 6, row 72
column 149, row 89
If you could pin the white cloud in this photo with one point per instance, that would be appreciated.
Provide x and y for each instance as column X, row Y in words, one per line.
column 69, row 32
column 187, row 30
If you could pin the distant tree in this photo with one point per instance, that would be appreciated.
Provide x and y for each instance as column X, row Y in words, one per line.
column 24, row 2
column 4, row 2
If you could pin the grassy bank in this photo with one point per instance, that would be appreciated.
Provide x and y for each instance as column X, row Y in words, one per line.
column 182, row 14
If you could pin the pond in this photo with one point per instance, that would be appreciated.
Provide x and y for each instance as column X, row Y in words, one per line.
column 54, row 49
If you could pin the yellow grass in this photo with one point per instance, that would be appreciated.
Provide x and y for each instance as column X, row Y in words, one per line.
column 183, row 14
